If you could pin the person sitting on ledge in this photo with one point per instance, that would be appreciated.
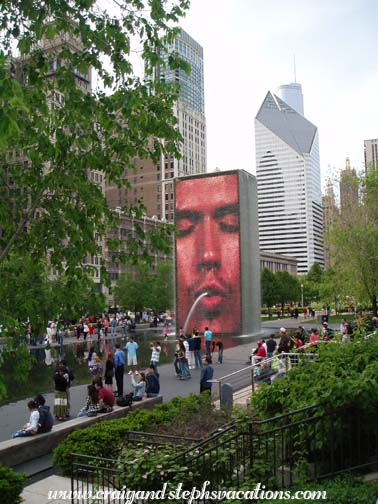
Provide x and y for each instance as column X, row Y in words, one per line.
column 139, row 386
column 91, row 405
column 152, row 383
column 31, row 427
column 105, row 398
column 46, row 421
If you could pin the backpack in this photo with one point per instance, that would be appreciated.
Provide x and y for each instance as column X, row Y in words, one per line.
column 46, row 420
column 126, row 400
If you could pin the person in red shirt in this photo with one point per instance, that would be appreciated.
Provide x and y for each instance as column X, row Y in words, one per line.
column 259, row 354
column 105, row 398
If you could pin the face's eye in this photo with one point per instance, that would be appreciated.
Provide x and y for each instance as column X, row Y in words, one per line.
column 229, row 223
column 184, row 227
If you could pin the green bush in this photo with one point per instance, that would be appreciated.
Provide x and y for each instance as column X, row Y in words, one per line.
column 345, row 376
column 11, row 485
column 191, row 416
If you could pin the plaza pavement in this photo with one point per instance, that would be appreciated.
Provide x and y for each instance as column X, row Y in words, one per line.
column 235, row 358
column 14, row 415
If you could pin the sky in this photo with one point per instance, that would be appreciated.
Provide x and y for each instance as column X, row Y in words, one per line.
column 249, row 48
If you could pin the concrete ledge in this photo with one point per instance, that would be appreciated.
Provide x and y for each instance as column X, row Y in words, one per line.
column 19, row 450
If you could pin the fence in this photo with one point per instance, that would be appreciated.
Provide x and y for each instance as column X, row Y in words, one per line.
column 250, row 375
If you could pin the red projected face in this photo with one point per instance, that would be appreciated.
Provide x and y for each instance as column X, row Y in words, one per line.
column 208, row 253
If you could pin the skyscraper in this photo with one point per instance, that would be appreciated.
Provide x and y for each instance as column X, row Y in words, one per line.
column 292, row 95
column 288, row 180
column 153, row 182
column 330, row 213
column 190, row 113
column 348, row 189
column 371, row 153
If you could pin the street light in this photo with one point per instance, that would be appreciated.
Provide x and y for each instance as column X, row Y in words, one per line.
column 302, row 295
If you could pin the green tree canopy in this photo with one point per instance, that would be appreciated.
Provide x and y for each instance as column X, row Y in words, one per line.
column 353, row 240
column 54, row 129
column 269, row 292
column 288, row 288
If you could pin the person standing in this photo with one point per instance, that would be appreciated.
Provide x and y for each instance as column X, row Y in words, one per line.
column 119, row 367
column 207, row 373
column 132, row 347
column 123, row 328
column 60, row 396
column 113, row 327
column 155, row 356
column 220, row 346
column 208, row 336
column 191, row 343
column 197, row 349
column 109, row 371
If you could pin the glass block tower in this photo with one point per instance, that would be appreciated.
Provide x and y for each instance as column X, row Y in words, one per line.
column 288, row 181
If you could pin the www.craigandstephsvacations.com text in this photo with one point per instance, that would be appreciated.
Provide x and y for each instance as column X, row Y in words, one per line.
column 188, row 496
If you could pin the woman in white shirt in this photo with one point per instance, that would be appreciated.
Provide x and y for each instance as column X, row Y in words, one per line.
column 31, row 427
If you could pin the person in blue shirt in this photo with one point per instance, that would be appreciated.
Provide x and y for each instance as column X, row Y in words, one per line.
column 208, row 336
column 119, row 368
column 132, row 347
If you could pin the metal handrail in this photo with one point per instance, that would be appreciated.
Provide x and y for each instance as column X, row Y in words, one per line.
column 253, row 367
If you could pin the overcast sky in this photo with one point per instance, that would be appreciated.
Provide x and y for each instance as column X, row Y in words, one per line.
column 249, row 48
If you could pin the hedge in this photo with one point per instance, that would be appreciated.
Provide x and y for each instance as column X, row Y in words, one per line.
column 11, row 485
column 104, row 439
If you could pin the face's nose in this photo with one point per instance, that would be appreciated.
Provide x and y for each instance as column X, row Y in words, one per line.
column 209, row 253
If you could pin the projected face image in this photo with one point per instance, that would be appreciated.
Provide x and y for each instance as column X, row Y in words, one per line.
column 208, row 252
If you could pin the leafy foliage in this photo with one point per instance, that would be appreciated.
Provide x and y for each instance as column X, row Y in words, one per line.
column 145, row 289
column 353, row 243
column 11, row 485
column 60, row 140
column 190, row 417
column 345, row 375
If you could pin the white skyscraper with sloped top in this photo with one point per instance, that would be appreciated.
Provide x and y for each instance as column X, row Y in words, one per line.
column 288, row 181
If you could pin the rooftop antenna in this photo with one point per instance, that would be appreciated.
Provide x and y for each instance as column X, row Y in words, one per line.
column 295, row 71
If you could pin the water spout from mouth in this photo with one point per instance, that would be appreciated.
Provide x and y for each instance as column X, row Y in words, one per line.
column 192, row 310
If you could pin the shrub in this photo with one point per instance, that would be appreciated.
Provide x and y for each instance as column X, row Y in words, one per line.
column 11, row 485
column 345, row 376
column 191, row 416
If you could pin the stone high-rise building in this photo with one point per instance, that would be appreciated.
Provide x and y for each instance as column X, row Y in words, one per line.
column 348, row 188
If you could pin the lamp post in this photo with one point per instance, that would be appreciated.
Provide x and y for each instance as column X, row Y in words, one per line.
column 302, row 295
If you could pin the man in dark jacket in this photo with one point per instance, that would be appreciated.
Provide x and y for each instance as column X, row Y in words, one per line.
column 207, row 373
column 46, row 420
column 152, row 383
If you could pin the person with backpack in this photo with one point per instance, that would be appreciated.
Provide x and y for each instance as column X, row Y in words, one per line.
column 46, row 420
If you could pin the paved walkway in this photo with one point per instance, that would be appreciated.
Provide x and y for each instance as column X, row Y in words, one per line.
column 234, row 359
column 14, row 415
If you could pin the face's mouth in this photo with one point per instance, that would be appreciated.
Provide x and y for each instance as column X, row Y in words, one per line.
column 213, row 300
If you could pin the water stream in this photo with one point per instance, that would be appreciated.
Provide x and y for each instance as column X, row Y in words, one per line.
column 192, row 309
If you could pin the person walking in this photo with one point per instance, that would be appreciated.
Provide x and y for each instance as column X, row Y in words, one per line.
column 119, row 367
column 155, row 356
column 207, row 373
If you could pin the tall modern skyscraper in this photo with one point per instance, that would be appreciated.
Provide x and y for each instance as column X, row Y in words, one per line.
column 190, row 113
column 288, row 181
column 371, row 154
column 292, row 95
column 153, row 183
